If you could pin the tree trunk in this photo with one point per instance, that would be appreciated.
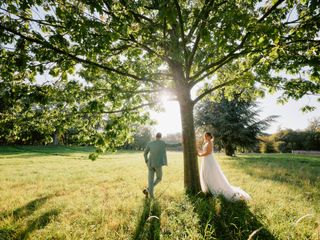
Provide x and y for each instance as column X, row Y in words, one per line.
column 190, row 159
column 191, row 172
column 229, row 150
column 56, row 138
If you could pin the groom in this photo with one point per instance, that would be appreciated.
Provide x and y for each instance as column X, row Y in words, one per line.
column 156, row 159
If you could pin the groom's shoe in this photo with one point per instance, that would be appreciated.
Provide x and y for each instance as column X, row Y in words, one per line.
column 145, row 192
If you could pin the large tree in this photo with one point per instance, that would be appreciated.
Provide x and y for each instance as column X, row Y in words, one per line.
column 234, row 123
column 138, row 47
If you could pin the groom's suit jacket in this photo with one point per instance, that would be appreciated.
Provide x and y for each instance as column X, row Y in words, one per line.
column 157, row 154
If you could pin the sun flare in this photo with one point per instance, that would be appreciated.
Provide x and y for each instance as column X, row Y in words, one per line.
column 168, row 121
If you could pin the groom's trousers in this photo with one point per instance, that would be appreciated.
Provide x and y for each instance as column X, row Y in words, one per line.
column 151, row 181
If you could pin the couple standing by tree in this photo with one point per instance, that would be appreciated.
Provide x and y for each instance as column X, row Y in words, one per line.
column 212, row 179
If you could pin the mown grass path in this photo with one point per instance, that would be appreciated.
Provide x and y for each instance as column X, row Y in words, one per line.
column 57, row 193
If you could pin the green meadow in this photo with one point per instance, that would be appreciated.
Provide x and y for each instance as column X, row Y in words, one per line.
column 58, row 193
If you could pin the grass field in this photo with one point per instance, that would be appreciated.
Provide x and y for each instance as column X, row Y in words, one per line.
column 57, row 193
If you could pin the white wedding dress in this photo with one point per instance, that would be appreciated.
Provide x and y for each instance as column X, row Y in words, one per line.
column 214, row 181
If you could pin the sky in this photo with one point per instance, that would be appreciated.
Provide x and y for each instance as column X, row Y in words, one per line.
column 290, row 114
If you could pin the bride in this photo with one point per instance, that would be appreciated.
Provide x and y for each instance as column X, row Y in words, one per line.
column 212, row 178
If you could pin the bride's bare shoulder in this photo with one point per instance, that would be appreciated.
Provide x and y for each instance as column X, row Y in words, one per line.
column 208, row 145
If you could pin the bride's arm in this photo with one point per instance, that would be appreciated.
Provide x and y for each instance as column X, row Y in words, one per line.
column 208, row 150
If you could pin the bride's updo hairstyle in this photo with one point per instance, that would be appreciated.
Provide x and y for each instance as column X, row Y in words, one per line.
column 209, row 135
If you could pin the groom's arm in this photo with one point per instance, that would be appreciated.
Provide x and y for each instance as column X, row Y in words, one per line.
column 173, row 144
column 146, row 151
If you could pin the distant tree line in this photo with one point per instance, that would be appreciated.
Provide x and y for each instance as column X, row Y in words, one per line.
column 144, row 134
column 141, row 136
column 285, row 141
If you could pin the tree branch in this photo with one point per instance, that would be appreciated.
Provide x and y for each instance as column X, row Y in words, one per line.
column 270, row 10
column 302, row 40
column 190, row 61
column 232, row 54
column 136, row 15
column 128, row 109
column 197, row 21
column 204, row 14
column 218, row 65
column 181, row 25
column 198, row 38
column 39, row 21
column 225, row 83
column 101, row 112
column 222, row 60
column 299, row 20
column 145, row 47
column 74, row 57
column 127, row 91
column 212, row 89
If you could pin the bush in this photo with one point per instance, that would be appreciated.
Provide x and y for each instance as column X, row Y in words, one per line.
column 267, row 144
column 281, row 146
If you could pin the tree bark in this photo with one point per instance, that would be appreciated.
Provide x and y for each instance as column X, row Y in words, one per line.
column 191, row 172
column 190, row 159
column 229, row 150
column 56, row 138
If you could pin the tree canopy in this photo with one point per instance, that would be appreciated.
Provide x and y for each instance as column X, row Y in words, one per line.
column 125, row 43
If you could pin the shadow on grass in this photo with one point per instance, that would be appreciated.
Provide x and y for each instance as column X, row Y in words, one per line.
column 38, row 223
column 50, row 150
column 33, row 151
column 148, row 226
column 15, row 232
column 27, row 209
column 11, row 233
column 223, row 219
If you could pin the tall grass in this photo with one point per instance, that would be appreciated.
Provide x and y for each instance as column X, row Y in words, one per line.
column 57, row 193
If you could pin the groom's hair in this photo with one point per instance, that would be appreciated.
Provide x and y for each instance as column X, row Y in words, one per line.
column 158, row 135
